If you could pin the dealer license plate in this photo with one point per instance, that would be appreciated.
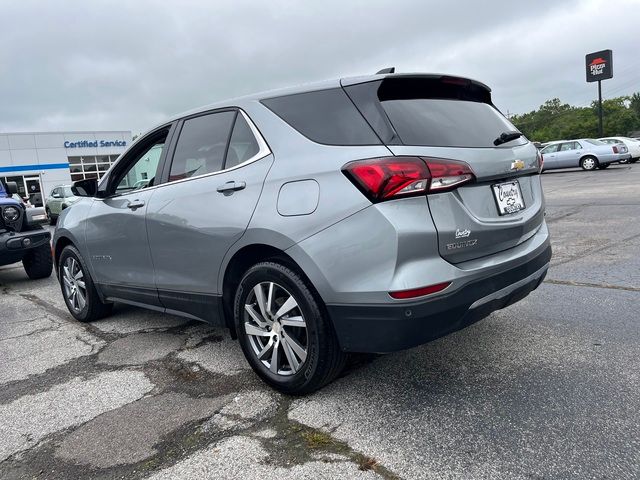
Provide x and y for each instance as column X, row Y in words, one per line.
column 508, row 197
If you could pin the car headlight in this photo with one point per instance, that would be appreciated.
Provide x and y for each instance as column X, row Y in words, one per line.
column 10, row 214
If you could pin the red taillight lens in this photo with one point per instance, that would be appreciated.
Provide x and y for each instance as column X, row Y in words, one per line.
column 383, row 178
column 448, row 174
column 419, row 292
column 615, row 149
column 391, row 177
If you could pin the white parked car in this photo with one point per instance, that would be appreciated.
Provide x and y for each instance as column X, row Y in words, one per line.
column 632, row 144
column 585, row 153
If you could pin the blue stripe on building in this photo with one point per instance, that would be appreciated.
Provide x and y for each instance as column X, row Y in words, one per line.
column 42, row 166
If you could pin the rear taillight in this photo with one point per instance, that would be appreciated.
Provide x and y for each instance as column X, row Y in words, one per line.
column 392, row 177
column 615, row 149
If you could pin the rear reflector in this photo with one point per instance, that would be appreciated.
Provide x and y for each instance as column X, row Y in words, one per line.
column 391, row 177
column 419, row 292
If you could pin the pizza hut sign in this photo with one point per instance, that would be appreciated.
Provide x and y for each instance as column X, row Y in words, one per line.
column 599, row 65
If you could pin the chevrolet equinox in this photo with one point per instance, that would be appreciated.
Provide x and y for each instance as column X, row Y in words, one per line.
column 368, row 214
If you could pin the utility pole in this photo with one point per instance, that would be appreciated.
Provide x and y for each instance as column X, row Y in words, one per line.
column 600, row 134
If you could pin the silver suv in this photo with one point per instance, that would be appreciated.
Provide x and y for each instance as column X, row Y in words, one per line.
column 357, row 215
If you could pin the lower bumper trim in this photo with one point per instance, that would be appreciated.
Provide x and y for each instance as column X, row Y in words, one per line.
column 392, row 327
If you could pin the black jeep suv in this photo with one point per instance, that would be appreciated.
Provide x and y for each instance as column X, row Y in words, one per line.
column 22, row 237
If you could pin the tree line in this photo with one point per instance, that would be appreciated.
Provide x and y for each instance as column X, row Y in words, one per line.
column 555, row 120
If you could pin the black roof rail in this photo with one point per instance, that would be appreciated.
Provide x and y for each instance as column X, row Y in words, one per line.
column 386, row 70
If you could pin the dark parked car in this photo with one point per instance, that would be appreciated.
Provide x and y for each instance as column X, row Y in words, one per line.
column 357, row 215
column 22, row 237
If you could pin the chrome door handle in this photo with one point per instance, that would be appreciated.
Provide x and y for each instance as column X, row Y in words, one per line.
column 135, row 204
column 230, row 187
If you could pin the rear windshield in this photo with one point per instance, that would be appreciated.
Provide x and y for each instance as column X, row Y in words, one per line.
column 431, row 110
column 447, row 123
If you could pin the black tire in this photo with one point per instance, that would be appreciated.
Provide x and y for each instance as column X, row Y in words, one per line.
column 587, row 164
column 324, row 359
column 633, row 160
column 38, row 262
column 603, row 166
column 94, row 308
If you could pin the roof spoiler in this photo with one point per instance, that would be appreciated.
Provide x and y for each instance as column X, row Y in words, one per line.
column 386, row 70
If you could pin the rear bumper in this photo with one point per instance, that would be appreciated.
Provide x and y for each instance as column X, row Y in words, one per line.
column 388, row 328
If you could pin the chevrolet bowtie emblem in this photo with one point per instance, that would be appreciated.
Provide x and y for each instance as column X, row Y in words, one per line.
column 517, row 165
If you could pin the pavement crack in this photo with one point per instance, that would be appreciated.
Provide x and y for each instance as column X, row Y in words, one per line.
column 49, row 307
column 591, row 285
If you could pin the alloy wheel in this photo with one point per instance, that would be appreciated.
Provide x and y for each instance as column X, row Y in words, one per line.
column 75, row 288
column 276, row 328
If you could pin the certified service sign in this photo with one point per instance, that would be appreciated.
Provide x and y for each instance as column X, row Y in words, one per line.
column 599, row 65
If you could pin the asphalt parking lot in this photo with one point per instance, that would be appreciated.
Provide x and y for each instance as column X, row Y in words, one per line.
column 547, row 388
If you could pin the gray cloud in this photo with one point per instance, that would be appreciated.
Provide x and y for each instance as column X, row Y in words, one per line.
column 102, row 64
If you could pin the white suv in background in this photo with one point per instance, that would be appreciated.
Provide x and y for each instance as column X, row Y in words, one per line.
column 632, row 144
column 60, row 198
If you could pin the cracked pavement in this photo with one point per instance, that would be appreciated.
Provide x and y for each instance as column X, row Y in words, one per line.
column 547, row 388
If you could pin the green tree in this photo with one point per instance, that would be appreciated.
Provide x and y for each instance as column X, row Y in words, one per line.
column 555, row 120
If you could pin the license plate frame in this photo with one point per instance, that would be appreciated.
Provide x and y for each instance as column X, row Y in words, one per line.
column 508, row 201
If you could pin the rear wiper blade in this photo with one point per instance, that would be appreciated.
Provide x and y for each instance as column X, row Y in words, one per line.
column 506, row 137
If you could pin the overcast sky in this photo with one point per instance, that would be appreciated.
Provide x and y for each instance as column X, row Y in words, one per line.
column 89, row 65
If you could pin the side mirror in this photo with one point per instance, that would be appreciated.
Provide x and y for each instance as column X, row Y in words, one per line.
column 12, row 187
column 85, row 188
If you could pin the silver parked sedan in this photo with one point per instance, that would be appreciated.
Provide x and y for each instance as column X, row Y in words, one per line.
column 585, row 153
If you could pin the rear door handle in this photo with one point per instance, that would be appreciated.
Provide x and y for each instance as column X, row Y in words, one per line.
column 135, row 204
column 230, row 187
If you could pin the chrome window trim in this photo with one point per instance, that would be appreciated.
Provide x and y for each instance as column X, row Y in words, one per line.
column 263, row 151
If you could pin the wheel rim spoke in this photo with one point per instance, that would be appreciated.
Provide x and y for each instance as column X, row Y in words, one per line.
column 81, row 300
column 256, row 331
column 293, row 322
column 296, row 347
column 266, row 349
column 270, row 296
column 81, row 284
column 291, row 356
column 255, row 316
column 286, row 307
column 274, row 358
column 260, row 300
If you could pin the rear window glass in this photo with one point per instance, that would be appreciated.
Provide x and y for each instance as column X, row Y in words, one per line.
column 593, row 142
column 447, row 123
column 243, row 144
column 324, row 116
column 201, row 145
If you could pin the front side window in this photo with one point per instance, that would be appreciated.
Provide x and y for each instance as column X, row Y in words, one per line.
column 201, row 146
column 142, row 171
column 67, row 192
column 550, row 149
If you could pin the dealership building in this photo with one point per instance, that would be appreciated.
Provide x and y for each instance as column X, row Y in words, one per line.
column 40, row 161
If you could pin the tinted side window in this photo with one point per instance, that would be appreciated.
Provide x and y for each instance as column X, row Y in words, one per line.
column 201, row 145
column 567, row 146
column 243, row 144
column 324, row 116
column 550, row 148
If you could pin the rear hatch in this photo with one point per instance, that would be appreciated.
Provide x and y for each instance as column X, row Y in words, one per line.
column 441, row 117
